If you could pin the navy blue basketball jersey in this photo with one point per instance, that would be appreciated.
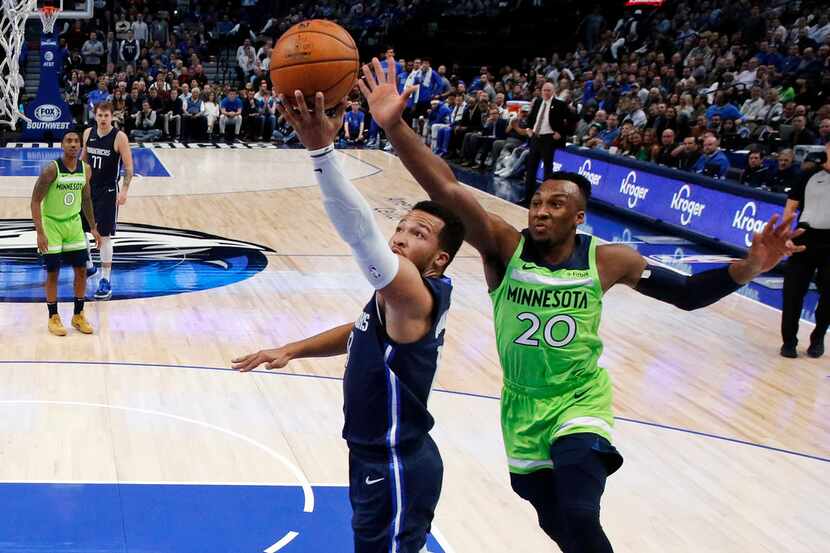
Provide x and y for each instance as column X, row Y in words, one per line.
column 103, row 159
column 386, row 385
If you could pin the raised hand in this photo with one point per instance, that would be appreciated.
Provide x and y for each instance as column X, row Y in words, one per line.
column 773, row 243
column 381, row 90
column 315, row 129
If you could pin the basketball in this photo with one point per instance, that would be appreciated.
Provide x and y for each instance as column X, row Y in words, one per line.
column 315, row 55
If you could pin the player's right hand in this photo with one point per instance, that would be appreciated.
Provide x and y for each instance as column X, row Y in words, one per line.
column 96, row 236
column 275, row 358
column 42, row 243
column 381, row 91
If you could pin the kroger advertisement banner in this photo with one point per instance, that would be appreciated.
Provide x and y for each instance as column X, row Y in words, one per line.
column 49, row 114
column 682, row 202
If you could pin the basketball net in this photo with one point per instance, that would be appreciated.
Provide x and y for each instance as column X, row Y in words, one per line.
column 12, row 27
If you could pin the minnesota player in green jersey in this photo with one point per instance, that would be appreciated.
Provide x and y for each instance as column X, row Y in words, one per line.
column 546, row 283
column 61, row 191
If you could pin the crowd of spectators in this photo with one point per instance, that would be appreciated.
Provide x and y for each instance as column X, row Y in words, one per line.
column 678, row 86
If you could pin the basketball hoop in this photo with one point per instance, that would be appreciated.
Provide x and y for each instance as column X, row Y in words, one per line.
column 12, row 27
column 48, row 16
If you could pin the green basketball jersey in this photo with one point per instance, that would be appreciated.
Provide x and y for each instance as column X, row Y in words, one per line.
column 65, row 194
column 547, row 320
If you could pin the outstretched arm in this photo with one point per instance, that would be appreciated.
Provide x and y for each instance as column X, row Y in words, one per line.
column 494, row 238
column 407, row 299
column 326, row 344
column 622, row 265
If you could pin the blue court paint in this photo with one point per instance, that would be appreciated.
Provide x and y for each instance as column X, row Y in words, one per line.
column 149, row 261
column 28, row 162
column 175, row 518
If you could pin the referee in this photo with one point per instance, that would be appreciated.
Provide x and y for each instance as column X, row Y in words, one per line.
column 812, row 198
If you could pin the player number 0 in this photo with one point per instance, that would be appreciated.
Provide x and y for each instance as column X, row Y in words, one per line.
column 526, row 339
column 69, row 198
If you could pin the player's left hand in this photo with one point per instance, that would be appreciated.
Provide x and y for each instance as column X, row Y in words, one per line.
column 772, row 244
column 315, row 129
column 122, row 197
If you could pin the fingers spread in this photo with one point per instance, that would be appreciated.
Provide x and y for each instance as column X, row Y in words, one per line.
column 364, row 89
column 370, row 79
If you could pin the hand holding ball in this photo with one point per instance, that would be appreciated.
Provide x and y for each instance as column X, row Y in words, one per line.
column 312, row 56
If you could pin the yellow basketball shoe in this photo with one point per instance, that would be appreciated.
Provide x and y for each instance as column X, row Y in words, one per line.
column 56, row 326
column 80, row 322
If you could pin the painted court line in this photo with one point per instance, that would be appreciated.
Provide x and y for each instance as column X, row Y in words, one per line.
column 453, row 392
column 308, row 505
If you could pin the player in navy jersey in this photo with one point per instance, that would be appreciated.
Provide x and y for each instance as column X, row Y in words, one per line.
column 395, row 470
column 105, row 150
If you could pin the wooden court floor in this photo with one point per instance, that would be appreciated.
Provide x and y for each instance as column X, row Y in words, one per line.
column 727, row 445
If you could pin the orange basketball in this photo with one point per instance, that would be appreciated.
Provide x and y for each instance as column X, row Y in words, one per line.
column 315, row 56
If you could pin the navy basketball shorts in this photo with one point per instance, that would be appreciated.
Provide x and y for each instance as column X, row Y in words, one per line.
column 105, row 208
column 393, row 498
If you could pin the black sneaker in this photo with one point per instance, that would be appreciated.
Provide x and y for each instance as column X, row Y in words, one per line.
column 816, row 350
column 789, row 351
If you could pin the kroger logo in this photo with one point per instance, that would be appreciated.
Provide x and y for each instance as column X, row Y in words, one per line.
column 745, row 220
column 585, row 171
column 48, row 112
column 687, row 207
column 48, row 56
column 629, row 187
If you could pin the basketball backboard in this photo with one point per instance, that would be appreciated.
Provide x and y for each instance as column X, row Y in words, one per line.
column 70, row 9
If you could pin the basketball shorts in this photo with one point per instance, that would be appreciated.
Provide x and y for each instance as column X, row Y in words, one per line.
column 532, row 420
column 394, row 497
column 65, row 235
column 105, row 208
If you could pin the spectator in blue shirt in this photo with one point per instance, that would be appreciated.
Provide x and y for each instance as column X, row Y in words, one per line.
column 230, row 111
column 611, row 131
column 791, row 61
column 724, row 109
column 101, row 94
column 353, row 124
column 439, row 114
column 713, row 162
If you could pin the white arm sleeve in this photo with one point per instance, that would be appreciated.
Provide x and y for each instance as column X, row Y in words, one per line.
column 354, row 220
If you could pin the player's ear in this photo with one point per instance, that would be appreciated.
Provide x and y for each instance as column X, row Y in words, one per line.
column 441, row 260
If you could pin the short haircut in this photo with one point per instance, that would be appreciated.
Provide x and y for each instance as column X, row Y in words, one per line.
column 756, row 149
column 580, row 181
column 105, row 106
column 452, row 234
